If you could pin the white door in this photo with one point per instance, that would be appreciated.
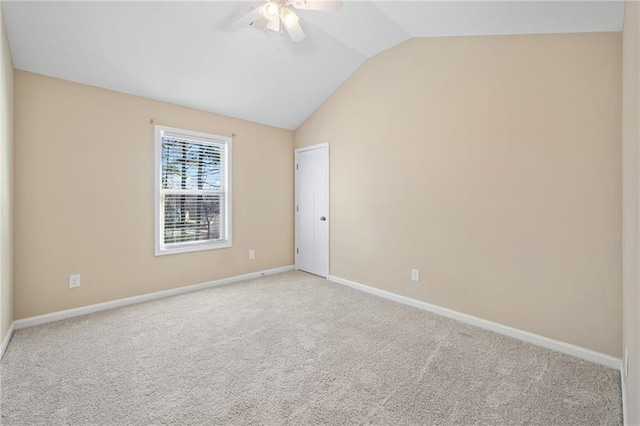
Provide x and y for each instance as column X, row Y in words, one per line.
column 312, row 209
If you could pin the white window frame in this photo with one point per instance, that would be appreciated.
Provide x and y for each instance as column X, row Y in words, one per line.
column 160, row 248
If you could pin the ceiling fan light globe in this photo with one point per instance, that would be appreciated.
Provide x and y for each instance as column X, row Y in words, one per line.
column 271, row 10
column 289, row 19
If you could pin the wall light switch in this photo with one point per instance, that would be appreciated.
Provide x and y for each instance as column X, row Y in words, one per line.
column 252, row 254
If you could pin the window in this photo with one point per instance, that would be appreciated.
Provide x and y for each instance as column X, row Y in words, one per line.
column 193, row 191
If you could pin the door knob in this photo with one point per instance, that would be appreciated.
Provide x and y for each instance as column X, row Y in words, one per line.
column 323, row 218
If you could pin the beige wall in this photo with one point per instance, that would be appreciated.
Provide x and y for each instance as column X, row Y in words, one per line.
column 6, row 182
column 493, row 165
column 84, row 196
column 630, row 240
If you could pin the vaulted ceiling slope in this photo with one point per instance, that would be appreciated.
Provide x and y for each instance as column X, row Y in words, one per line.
column 190, row 53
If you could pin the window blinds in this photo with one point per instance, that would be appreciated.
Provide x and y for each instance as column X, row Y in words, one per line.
column 193, row 191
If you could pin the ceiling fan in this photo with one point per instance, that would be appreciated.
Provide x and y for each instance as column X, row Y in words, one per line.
column 275, row 15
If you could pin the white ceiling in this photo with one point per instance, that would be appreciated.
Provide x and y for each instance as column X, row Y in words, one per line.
column 190, row 53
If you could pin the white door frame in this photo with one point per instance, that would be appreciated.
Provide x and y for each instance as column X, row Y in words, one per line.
column 295, row 207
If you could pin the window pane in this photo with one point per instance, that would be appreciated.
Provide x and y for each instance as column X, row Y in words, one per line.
column 192, row 218
column 191, row 165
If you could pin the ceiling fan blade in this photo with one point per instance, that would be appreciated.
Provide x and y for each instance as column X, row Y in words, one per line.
column 295, row 32
column 261, row 24
column 274, row 24
column 250, row 17
column 317, row 4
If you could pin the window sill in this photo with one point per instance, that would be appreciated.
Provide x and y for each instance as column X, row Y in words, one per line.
column 188, row 248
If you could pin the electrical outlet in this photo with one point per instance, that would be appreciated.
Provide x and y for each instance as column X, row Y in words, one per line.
column 252, row 254
column 415, row 275
column 626, row 362
column 74, row 281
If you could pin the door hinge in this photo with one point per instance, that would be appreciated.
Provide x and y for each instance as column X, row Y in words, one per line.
column 296, row 166
column 297, row 251
column 297, row 209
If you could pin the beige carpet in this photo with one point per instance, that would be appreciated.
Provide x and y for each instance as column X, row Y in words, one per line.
column 291, row 349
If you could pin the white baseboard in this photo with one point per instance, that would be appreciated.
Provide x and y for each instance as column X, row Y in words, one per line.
column 70, row 313
column 556, row 345
column 623, row 388
column 7, row 338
